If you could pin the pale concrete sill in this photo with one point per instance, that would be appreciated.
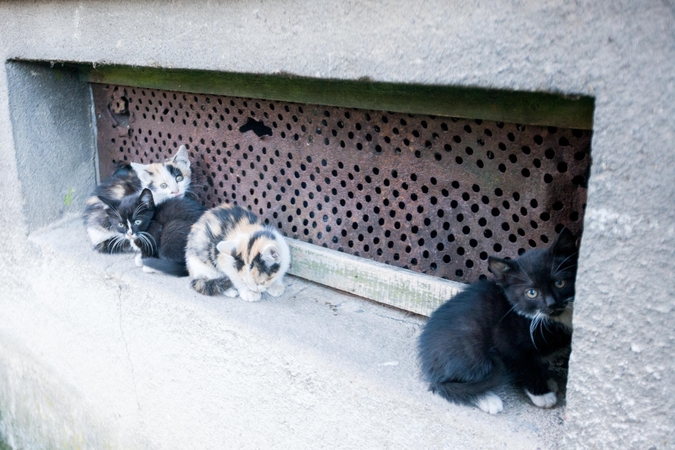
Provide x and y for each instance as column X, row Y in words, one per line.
column 157, row 364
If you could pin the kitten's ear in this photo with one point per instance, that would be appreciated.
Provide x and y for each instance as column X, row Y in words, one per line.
column 565, row 244
column 143, row 174
column 181, row 158
column 500, row 267
column 227, row 247
column 146, row 198
column 271, row 254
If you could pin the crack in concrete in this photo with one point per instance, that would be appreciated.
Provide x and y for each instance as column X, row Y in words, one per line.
column 407, row 322
column 126, row 345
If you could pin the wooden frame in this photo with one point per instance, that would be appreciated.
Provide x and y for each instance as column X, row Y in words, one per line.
column 401, row 288
column 533, row 108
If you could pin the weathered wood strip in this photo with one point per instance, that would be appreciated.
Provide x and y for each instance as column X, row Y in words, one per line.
column 401, row 288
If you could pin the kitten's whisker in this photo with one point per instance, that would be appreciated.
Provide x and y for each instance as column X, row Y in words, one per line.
column 117, row 243
column 533, row 326
column 507, row 313
column 139, row 208
column 525, row 273
column 144, row 243
column 555, row 272
column 146, row 237
column 520, row 278
column 544, row 322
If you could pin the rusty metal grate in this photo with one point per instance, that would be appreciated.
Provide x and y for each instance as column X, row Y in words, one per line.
column 432, row 194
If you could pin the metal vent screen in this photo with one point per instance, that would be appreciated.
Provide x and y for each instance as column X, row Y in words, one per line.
column 432, row 194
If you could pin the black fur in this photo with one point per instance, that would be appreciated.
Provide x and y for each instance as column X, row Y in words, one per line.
column 169, row 229
column 482, row 338
column 216, row 286
column 263, row 267
column 230, row 217
column 124, row 176
column 238, row 261
column 175, row 268
column 260, row 234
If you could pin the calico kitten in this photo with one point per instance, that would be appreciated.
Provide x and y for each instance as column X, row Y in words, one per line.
column 496, row 332
column 168, row 179
column 229, row 252
column 158, row 232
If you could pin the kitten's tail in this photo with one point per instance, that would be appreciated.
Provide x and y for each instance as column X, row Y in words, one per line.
column 174, row 268
column 470, row 392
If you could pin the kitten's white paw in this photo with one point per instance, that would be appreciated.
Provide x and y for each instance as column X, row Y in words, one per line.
column 249, row 296
column 138, row 260
column 547, row 400
column 232, row 292
column 490, row 403
column 275, row 290
column 147, row 269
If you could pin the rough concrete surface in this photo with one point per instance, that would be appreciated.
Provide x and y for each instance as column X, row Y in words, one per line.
column 621, row 392
column 143, row 361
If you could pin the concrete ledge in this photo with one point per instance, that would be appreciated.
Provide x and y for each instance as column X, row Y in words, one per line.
column 125, row 359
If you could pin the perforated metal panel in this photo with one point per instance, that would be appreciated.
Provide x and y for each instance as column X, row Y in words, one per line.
column 432, row 194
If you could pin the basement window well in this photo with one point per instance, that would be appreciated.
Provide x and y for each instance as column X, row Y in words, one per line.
column 398, row 193
column 434, row 194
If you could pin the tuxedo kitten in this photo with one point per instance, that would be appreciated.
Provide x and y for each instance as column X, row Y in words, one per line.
column 229, row 252
column 502, row 331
column 127, row 221
column 157, row 232
column 168, row 179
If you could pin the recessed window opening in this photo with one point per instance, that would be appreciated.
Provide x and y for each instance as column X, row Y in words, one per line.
column 432, row 194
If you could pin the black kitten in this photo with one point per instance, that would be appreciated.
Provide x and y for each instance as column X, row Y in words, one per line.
column 496, row 332
column 158, row 232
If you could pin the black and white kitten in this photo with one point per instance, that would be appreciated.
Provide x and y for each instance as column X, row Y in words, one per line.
column 158, row 232
column 497, row 332
column 168, row 179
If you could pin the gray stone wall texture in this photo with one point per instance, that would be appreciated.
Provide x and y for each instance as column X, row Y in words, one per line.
column 621, row 391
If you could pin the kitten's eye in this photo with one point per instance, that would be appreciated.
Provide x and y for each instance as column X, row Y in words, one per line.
column 163, row 185
column 179, row 178
column 121, row 225
column 138, row 222
column 559, row 284
column 532, row 293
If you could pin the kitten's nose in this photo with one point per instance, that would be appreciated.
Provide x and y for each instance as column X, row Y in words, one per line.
column 550, row 301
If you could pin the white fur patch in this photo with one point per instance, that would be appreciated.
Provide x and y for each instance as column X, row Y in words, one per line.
column 547, row 400
column 231, row 292
column 226, row 247
column 277, row 288
column 147, row 269
column 490, row 403
column 249, row 296
column 200, row 269
column 98, row 235
column 138, row 260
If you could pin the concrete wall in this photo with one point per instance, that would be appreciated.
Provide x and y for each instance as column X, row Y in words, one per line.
column 51, row 119
column 621, row 391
